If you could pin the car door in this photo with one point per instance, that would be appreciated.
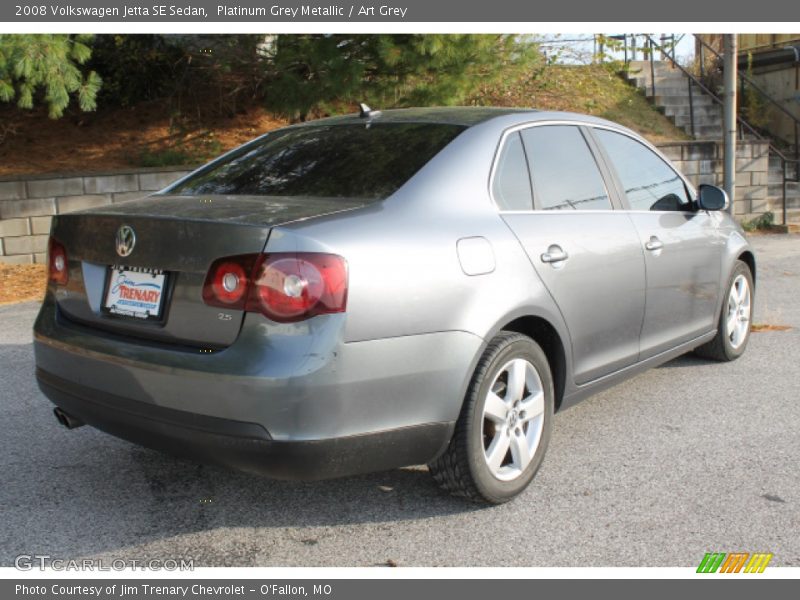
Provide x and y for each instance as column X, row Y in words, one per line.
column 682, row 249
column 587, row 254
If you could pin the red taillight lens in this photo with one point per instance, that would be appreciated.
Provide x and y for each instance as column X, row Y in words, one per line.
column 229, row 283
column 57, row 263
column 284, row 286
column 291, row 287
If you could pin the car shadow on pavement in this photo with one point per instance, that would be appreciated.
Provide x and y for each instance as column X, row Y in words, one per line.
column 77, row 493
column 687, row 360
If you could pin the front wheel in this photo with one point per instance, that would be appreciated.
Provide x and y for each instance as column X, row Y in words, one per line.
column 733, row 329
column 504, row 428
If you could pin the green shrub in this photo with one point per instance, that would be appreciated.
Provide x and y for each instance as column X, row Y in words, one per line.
column 163, row 158
column 760, row 223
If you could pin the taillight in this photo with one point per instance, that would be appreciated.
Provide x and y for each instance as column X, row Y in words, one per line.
column 285, row 287
column 291, row 287
column 228, row 284
column 57, row 262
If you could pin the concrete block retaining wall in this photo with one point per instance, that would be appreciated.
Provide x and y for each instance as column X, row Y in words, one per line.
column 701, row 162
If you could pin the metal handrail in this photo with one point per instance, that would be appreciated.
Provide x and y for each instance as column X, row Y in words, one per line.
column 772, row 148
column 701, row 85
column 763, row 93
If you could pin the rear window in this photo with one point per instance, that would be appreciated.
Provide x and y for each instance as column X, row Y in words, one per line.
column 369, row 161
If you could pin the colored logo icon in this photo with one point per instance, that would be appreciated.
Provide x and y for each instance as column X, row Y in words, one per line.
column 735, row 562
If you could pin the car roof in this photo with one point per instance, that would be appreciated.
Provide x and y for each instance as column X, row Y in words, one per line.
column 465, row 116
column 450, row 115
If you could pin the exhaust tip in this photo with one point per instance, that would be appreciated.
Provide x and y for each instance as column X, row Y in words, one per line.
column 66, row 419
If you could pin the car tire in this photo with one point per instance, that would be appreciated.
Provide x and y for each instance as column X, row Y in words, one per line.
column 733, row 328
column 504, row 427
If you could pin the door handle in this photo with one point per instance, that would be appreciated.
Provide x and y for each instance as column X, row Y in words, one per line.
column 654, row 244
column 554, row 254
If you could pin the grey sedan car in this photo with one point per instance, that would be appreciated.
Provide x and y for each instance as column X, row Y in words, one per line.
column 386, row 289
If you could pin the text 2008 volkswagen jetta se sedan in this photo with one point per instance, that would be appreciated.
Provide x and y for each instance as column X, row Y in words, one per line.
column 385, row 289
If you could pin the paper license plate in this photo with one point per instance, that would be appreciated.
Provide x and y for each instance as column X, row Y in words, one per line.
column 136, row 293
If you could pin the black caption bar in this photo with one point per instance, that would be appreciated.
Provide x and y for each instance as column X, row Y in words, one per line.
column 443, row 11
column 393, row 589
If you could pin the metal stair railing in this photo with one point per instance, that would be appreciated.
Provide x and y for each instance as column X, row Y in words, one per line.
column 669, row 55
column 763, row 93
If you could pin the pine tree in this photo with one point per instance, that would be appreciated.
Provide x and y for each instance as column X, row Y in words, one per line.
column 47, row 67
column 314, row 72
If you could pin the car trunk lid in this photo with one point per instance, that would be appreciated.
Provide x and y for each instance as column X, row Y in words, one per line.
column 178, row 237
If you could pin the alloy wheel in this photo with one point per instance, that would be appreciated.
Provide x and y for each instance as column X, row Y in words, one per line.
column 513, row 419
column 738, row 322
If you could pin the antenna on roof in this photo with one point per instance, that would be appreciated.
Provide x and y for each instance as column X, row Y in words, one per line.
column 365, row 112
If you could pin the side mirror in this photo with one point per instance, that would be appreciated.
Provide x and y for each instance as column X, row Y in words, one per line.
column 710, row 197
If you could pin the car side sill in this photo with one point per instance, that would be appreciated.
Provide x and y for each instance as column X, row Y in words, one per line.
column 603, row 383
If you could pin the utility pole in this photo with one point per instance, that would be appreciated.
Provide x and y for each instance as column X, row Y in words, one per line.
column 729, row 117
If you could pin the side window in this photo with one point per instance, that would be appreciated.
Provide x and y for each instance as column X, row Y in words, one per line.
column 564, row 173
column 649, row 182
column 511, row 187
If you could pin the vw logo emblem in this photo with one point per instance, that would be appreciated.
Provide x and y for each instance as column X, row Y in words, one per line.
column 126, row 240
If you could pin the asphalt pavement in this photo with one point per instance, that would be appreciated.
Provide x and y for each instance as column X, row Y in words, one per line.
column 687, row 458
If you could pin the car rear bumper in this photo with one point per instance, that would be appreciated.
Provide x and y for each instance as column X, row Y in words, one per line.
column 242, row 445
column 291, row 402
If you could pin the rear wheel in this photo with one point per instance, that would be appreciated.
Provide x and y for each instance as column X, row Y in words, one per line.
column 733, row 329
column 504, row 428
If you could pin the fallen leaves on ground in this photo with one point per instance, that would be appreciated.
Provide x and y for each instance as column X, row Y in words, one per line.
column 759, row 327
column 19, row 283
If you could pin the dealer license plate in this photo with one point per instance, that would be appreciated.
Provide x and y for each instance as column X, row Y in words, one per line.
column 137, row 293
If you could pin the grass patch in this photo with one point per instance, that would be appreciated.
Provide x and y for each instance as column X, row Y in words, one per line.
column 591, row 89
column 163, row 158
column 187, row 149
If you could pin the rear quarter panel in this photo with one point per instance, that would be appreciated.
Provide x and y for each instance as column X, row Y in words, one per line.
column 405, row 277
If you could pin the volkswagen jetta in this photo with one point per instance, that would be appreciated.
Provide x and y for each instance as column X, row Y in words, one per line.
column 385, row 289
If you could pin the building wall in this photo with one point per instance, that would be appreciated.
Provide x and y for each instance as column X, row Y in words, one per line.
column 756, row 42
column 782, row 83
column 28, row 204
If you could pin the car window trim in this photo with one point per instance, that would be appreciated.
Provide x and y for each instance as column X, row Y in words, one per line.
column 614, row 191
column 500, row 151
column 690, row 189
column 611, row 190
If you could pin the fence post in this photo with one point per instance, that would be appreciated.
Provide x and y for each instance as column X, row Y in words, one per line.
column 691, row 106
column 652, row 68
column 729, row 120
column 783, row 164
column 625, row 46
column 702, row 60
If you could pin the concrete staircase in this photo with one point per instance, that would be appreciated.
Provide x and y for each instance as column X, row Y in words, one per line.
column 775, row 185
column 672, row 98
